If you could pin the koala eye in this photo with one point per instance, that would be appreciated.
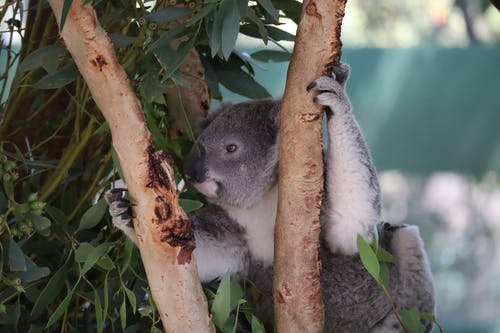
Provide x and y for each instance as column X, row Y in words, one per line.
column 231, row 148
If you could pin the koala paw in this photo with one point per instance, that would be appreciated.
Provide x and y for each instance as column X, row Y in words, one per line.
column 120, row 209
column 331, row 94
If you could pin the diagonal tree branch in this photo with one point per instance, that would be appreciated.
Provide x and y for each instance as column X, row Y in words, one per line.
column 297, row 292
column 165, row 238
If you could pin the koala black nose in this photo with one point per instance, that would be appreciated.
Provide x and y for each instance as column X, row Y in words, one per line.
column 194, row 164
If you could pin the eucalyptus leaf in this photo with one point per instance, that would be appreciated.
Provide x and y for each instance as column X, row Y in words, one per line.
column 60, row 309
column 17, row 259
column 201, row 13
column 226, row 299
column 411, row 319
column 33, row 272
column 41, row 224
column 131, row 298
column 230, row 26
column 51, row 290
column 190, row 205
column 94, row 255
column 116, row 162
column 99, row 317
column 384, row 256
column 257, row 326
column 123, row 314
column 168, row 14
column 46, row 57
column 121, row 41
column 271, row 56
column 368, row 258
column 65, row 11
column 59, row 78
column 269, row 7
column 242, row 83
column 278, row 34
column 92, row 216
column 170, row 60
column 214, row 32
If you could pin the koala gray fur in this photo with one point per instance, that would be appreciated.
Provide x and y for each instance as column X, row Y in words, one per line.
column 234, row 163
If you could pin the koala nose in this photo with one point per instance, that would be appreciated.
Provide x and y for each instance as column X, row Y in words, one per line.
column 194, row 164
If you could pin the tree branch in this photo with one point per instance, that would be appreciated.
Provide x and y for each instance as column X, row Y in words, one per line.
column 165, row 238
column 297, row 291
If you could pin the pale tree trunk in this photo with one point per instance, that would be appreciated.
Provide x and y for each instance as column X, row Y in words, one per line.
column 297, row 292
column 165, row 238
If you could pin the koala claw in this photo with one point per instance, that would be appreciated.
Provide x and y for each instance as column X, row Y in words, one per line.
column 120, row 208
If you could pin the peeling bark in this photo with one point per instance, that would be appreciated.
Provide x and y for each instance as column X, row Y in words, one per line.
column 297, row 291
column 165, row 238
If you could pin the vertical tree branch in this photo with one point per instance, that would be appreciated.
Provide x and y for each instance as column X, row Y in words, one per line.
column 165, row 238
column 297, row 291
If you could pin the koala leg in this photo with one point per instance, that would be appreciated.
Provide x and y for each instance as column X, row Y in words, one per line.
column 413, row 286
column 352, row 204
column 120, row 210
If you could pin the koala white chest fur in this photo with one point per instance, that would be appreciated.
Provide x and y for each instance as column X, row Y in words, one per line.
column 234, row 163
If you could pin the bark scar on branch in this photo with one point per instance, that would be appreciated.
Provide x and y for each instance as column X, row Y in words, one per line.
column 173, row 225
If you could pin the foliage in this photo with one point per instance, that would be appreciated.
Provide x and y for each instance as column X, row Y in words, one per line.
column 375, row 259
column 63, row 266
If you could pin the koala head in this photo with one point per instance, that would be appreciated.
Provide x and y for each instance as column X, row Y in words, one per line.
column 235, row 159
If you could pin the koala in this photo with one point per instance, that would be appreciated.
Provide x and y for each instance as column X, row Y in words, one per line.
column 234, row 164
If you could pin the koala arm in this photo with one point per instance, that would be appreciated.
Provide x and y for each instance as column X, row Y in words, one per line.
column 352, row 201
column 220, row 245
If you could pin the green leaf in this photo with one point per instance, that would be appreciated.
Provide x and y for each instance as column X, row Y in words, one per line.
column 278, row 34
column 123, row 314
column 51, row 290
column 60, row 309
column 83, row 251
column 131, row 299
column 242, row 83
column 214, row 31
column 384, row 274
column 166, row 38
column 59, row 78
column 268, row 6
column 41, row 224
column 384, row 256
column 226, row 299
column 230, row 26
column 121, row 41
column 155, row 330
column 168, row 14
column 33, row 272
column 190, row 205
column 292, row 9
column 65, row 11
column 94, row 255
column 201, row 13
column 46, row 57
column 411, row 319
column 57, row 215
column 116, row 162
column 368, row 258
column 92, row 216
column 257, row 326
column 171, row 59
column 271, row 56
column 17, row 260
column 99, row 316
